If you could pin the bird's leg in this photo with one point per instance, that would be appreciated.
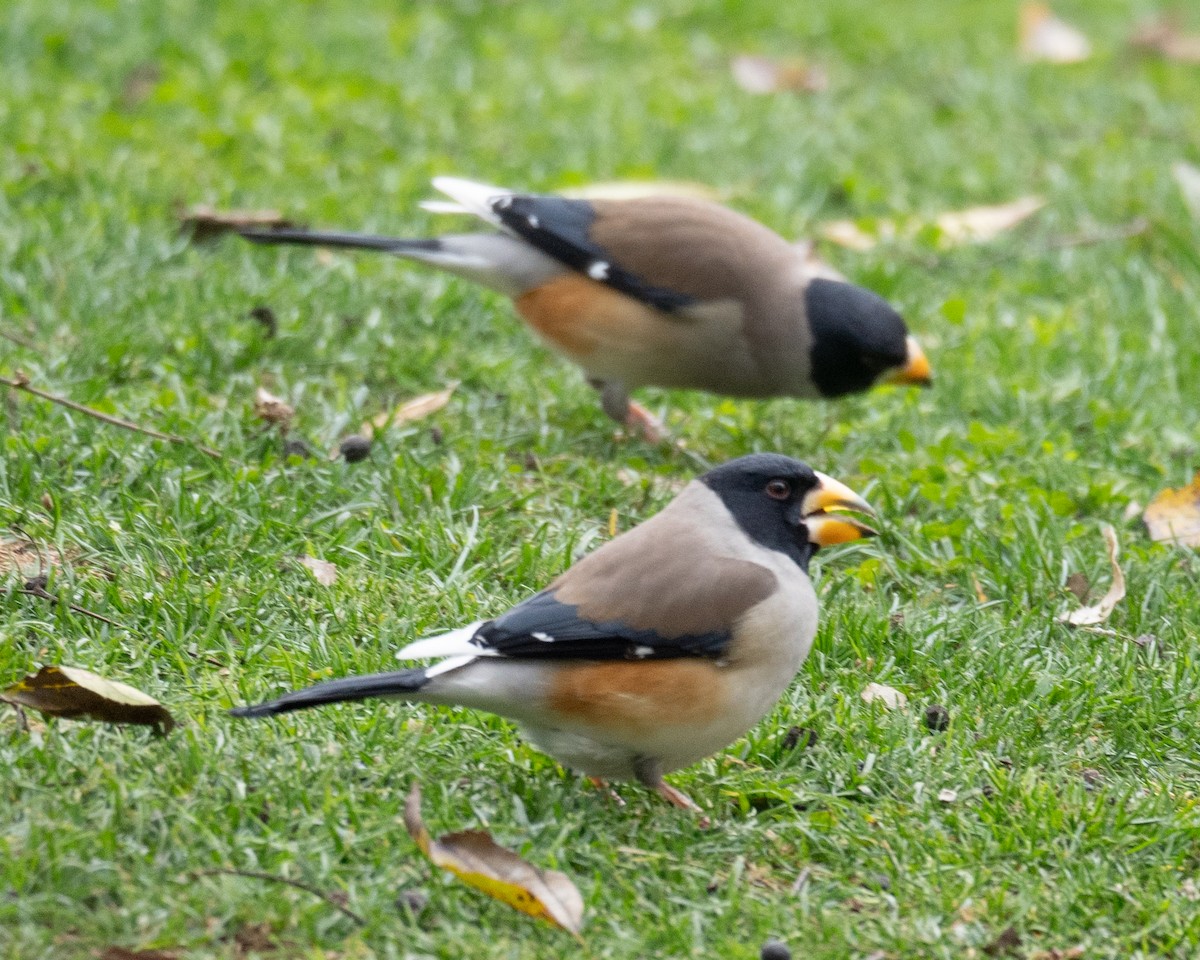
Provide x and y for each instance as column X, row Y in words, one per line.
column 649, row 773
column 615, row 401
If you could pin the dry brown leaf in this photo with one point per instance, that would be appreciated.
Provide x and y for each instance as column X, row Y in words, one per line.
column 415, row 409
column 73, row 693
column 1098, row 613
column 757, row 74
column 124, row 953
column 1174, row 515
column 1164, row 36
column 1007, row 942
column 27, row 559
column 272, row 409
column 890, row 697
column 1188, row 178
column 324, row 572
column 637, row 189
column 956, row 227
column 476, row 859
column 1046, row 38
column 206, row 222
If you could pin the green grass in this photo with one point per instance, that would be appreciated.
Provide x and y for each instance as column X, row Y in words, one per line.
column 1066, row 388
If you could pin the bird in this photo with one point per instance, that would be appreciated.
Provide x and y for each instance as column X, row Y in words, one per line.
column 659, row 648
column 663, row 291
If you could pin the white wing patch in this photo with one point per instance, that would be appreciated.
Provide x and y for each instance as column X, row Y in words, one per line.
column 456, row 643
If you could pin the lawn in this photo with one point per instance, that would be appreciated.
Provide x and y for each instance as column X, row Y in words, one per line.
column 1062, row 800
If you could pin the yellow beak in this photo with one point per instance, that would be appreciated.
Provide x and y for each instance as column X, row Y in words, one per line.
column 826, row 529
column 916, row 370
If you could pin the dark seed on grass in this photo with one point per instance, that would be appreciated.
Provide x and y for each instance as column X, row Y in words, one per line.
column 355, row 448
column 266, row 317
column 775, row 950
column 937, row 717
column 804, row 737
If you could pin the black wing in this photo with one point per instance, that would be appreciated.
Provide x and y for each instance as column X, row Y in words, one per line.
column 543, row 627
column 561, row 229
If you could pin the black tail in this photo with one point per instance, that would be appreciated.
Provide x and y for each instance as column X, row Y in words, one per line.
column 335, row 691
column 361, row 241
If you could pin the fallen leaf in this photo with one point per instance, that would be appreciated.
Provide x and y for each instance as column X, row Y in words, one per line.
column 756, row 74
column 890, row 697
column 1098, row 613
column 1164, row 36
column 1188, row 178
column 73, row 693
column 1045, row 37
column 1006, row 942
column 1079, row 585
column 637, row 189
column 947, row 795
column 124, row 953
column 1174, row 515
column 324, row 572
column 415, row 409
column 955, row 227
column 27, row 559
column 206, row 222
column 478, row 861
column 272, row 409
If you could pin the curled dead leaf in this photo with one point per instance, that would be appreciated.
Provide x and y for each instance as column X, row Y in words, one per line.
column 477, row 860
column 416, row 408
column 1049, row 39
column 1174, row 515
column 890, row 697
column 1098, row 613
column 324, row 572
column 272, row 409
column 75, row 694
column 757, row 74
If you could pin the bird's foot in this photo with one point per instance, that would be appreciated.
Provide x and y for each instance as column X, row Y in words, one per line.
column 600, row 784
column 645, row 424
column 677, row 798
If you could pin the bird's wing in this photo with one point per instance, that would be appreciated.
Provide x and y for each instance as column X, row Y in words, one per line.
column 671, row 253
column 659, row 591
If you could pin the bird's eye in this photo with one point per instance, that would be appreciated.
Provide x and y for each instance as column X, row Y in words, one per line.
column 779, row 489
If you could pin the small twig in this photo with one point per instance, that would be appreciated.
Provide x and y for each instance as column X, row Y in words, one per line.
column 21, row 382
column 42, row 594
column 19, row 341
column 298, row 884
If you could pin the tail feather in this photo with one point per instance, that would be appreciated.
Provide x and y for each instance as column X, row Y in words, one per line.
column 335, row 691
column 358, row 241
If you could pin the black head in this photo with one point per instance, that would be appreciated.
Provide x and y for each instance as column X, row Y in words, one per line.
column 780, row 503
column 857, row 337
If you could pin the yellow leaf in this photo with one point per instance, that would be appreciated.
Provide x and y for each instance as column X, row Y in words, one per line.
column 1174, row 515
column 73, row 693
column 476, row 859
column 1098, row 613
column 415, row 409
column 956, row 227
